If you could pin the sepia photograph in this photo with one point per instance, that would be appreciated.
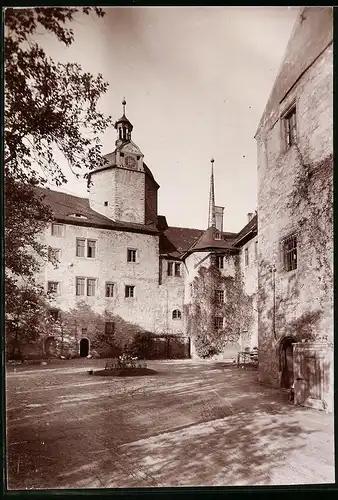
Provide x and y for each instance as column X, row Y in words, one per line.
column 168, row 247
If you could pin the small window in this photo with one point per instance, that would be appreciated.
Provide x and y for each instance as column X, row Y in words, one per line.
column 80, row 247
column 170, row 268
column 84, row 331
column 53, row 287
column 122, row 155
column 54, row 254
column 256, row 250
column 129, row 291
column 91, row 282
column 177, row 314
column 109, row 289
column 57, row 230
column 80, row 286
column 218, row 236
column 290, row 129
column 106, row 203
column 177, row 269
column 91, row 249
column 138, row 157
column 54, row 314
column 246, row 256
column 220, row 296
column 109, row 328
column 131, row 255
column 220, row 261
column 290, row 253
column 219, row 321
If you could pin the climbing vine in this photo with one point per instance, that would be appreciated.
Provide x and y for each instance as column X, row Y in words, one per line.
column 312, row 200
column 205, row 307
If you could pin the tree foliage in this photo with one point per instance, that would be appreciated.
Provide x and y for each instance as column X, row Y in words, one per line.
column 50, row 108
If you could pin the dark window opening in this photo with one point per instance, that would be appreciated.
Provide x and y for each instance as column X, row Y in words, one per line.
column 246, row 256
column 54, row 314
column 109, row 327
column 177, row 269
column 106, row 203
column 220, row 296
column 170, row 268
column 131, row 255
column 220, row 261
column 290, row 253
column 129, row 291
column 109, row 289
column 91, row 249
column 290, row 127
column 176, row 314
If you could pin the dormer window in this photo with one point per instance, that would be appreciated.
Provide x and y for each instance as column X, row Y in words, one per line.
column 78, row 216
column 218, row 235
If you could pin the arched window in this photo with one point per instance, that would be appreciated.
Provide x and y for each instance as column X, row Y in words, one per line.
column 177, row 314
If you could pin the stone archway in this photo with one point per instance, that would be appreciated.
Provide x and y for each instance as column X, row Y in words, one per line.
column 286, row 361
column 84, row 347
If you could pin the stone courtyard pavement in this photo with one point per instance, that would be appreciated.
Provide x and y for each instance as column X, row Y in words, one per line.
column 193, row 424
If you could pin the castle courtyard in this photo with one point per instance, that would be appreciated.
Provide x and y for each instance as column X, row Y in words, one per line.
column 192, row 424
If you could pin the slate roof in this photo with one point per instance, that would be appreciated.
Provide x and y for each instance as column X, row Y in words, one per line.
column 312, row 33
column 246, row 233
column 64, row 206
column 175, row 241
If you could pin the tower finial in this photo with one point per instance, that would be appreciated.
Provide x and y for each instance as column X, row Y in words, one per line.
column 212, row 210
column 124, row 105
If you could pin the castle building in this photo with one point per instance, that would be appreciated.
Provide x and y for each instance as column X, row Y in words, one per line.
column 114, row 255
column 295, row 201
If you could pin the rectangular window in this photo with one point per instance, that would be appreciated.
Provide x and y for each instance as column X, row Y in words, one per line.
column 91, row 249
column 290, row 128
column 80, row 247
column 290, row 253
column 109, row 289
column 219, row 320
column 54, row 254
column 177, row 269
column 80, row 286
column 246, row 256
column 220, row 296
column 256, row 250
column 54, row 314
column 131, row 255
column 109, row 328
column 57, row 229
column 91, row 282
column 53, row 287
column 220, row 261
column 84, row 331
column 129, row 291
column 170, row 268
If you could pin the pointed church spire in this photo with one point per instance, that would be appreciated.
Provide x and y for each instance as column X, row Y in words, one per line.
column 212, row 210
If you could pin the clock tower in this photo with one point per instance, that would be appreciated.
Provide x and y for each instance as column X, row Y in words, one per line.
column 124, row 189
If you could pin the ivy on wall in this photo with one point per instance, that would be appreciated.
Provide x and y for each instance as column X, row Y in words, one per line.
column 237, row 308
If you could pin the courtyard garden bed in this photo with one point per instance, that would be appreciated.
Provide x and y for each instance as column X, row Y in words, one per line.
column 124, row 366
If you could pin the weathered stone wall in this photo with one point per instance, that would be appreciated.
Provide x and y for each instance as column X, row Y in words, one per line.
column 110, row 264
column 295, row 197
column 150, row 201
column 102, row 190
column 170, row 297
column 129, row 195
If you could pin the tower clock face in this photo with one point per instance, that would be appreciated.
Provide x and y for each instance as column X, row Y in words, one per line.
column 130, row 162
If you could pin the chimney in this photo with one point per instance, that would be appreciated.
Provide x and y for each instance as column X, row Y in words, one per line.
column 219, row 218
column 250, row 215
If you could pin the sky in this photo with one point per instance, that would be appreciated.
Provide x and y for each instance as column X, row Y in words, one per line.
column 196, row 81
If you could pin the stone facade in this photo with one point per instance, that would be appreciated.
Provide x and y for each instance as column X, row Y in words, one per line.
column 295, row 169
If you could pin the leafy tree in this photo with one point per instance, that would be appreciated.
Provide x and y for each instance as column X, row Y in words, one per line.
column 50, row 107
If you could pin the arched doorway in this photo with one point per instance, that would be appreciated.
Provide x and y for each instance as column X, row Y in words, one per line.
column 84, row 347
column 50, row 347
column 286, row 361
